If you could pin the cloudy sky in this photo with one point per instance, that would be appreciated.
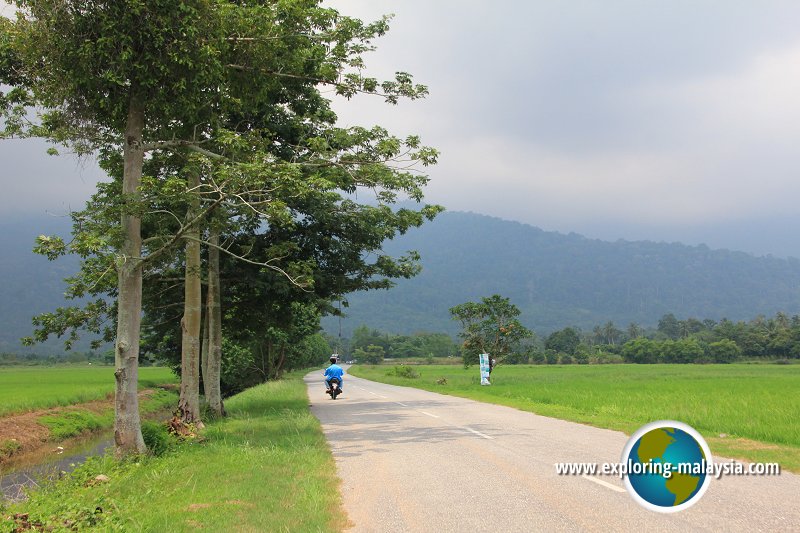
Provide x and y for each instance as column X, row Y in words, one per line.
column 673, row 121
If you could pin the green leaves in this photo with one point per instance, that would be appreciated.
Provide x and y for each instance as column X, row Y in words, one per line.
column 52, row 247
column 232, row 93
column 490, row 326
column 67, row 321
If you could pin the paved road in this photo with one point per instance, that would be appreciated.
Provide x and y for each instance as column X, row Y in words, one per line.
column 412, row 460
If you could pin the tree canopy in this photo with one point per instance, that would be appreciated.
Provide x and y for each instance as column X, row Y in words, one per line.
column 489, row 326
column 227, row 99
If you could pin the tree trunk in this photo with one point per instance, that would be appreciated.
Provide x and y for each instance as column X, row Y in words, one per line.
column 279, row 367
column 189, row 404
column 127, row 424
column 214, row 364
column 204, row 345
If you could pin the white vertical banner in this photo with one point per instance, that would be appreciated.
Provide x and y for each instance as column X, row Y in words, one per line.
column 485, row 369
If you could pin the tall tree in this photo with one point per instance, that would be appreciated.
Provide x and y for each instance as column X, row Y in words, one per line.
column 152, row 75
column 634, row 331
column 111, row 76
column 213, row 367
column 611, row 334
column 489, row 326
column 564, row 341
column 669, row 326
column 237, row 84
column 189, row 403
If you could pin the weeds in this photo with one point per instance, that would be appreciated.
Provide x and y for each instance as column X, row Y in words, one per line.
column 9, row 447
column 403, row 372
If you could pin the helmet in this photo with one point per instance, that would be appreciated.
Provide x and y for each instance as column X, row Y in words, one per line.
column 334, row 358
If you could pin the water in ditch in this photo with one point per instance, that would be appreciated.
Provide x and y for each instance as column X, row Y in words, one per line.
column 29, row 473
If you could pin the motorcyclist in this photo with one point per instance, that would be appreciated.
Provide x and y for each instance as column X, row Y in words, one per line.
column 334, row 371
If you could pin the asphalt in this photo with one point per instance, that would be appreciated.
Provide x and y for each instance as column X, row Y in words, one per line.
column 412, row 460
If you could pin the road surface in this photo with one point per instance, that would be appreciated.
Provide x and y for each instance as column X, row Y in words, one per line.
column 412, row 460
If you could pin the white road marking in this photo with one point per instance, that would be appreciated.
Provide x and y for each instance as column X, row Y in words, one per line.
column 603, row 483
column 369, row 391
column 479, row 433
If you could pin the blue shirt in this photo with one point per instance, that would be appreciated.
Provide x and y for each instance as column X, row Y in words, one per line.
column 334, row 371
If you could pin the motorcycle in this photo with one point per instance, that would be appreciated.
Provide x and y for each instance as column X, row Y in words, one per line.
column 334, row 389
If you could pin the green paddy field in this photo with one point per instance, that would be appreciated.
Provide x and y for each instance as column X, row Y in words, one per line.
column 747, row 411
column 27, row 388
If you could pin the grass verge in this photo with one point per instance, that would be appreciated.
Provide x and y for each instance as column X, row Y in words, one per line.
column 266, row 467
column 744, row 411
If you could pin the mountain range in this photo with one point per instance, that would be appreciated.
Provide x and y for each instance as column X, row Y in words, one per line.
column 560, row 280
column 556, row 279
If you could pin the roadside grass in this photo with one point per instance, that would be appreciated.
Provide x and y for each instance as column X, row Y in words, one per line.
column 25, row 389
column 749, row 412
column 266, row 467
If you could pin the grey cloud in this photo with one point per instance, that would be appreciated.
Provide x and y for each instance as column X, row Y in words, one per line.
column 623, row 118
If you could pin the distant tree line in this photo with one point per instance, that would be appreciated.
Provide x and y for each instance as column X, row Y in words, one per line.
column 690, row 340
column 677, row 341
column 372, row 346
column 72, row 357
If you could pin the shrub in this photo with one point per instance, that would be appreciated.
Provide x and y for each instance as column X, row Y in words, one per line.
column 551, row 358
column 157, row 438
column 403, row 372
column 683, row 351
column 537, row 358
column 237, row 368
column 516, row 358
column 641, row 350
column 724, row 351
column 9, row 447
column 582, row 358
column 604, row 358
column 566, row 359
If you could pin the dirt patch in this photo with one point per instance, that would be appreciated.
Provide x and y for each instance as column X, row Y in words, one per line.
column 31, row 437
column 25, row 429
column 240, row 503
column 197, row 506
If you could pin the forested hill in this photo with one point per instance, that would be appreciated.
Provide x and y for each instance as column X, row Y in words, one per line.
column 555, row 279
column 559, row 280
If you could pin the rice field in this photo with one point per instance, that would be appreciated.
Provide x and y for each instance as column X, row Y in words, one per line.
column 24, row 388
